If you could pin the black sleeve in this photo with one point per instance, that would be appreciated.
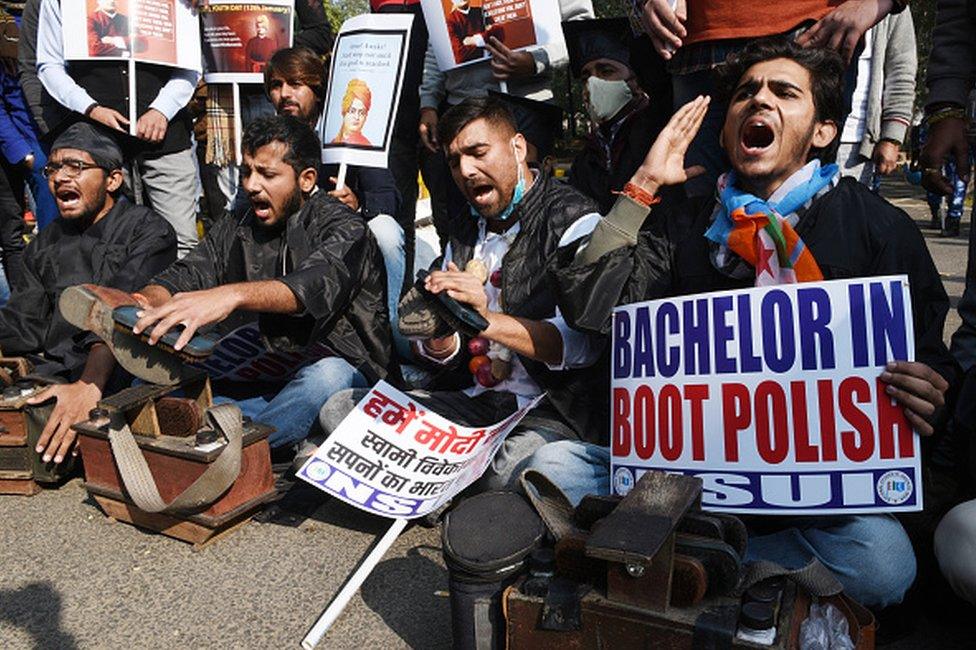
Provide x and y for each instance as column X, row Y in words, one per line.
column 328, row 278
column 903, row 250
column 151, row 250
column 25, row 318
column 314, row 31
column 587, row 294
column 205, row 265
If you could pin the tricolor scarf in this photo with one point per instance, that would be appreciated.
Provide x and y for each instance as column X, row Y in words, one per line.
column 761, row 231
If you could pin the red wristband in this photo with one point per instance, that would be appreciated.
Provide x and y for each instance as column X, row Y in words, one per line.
column 640, row 195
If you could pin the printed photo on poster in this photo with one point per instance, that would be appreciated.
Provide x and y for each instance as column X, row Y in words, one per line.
column 364, row 88
column 163, row 32
column 238, row 39
column 459, row 29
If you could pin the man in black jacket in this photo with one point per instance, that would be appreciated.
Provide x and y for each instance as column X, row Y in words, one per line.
column 515, row 220
column 295, row 288
column 624, row 123
column 784, row 111
column 100, row 237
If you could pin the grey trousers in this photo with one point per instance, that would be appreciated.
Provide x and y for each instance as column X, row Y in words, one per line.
column 171, row 188
column 955, row 549
column 535, row 430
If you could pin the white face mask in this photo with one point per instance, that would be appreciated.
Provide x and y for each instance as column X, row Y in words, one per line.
column 606, row 98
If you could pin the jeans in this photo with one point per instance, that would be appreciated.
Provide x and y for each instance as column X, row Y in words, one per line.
column 871, row 555
column 389, row 237
column 293, row 409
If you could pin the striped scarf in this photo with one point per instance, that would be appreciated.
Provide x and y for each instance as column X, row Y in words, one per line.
column 761, row 232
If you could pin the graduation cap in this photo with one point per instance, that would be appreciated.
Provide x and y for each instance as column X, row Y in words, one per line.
column 539, row 122
column 602, row 38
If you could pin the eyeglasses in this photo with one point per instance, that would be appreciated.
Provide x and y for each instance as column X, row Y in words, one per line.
column 72, row 168
column 360, row 112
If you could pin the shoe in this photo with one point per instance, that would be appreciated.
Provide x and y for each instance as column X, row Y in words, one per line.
column 418, row 318
column 935, row 222
column 951, row 228
column 89, row 307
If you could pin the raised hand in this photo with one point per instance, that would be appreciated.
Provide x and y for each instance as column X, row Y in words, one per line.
column 665, row 162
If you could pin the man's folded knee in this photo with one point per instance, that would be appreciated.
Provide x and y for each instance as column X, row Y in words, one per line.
column 337, row 408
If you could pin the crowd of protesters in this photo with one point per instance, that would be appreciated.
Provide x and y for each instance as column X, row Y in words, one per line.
column 697, row 109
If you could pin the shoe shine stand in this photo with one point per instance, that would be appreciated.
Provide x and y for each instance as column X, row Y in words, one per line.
column 177, row 447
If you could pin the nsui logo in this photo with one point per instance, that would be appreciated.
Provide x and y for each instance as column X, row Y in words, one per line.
column 623, row 481
column 894, row 487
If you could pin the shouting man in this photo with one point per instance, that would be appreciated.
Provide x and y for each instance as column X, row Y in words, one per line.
column 100, row 237
column 298, row 277
column 516, row 218
column 785, row 104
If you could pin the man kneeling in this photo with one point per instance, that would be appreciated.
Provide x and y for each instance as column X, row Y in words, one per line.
column 296, row 285
column 784, row 110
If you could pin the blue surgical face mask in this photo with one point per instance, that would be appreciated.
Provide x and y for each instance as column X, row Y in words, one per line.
column 517, row 194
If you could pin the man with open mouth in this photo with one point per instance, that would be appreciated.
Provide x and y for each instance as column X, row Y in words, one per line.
column 494, row 265
column 784, row 108
column 99, row 237
column 295, row 289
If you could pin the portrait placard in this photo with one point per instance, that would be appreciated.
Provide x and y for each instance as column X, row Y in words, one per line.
column 459, row 29
column 364, row 89
column 238, row 39
column 164, row 32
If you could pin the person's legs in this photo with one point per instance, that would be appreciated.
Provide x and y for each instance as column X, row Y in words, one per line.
column 12, row 184
column 871, row 555
column 955, row 549
column 705, row 149
column 170, row 183
column 577, row 468
column 389, row 237
column 45, row 208
column 295, row 408
column 853, row 164
column 438, row 179
column 513, row 457
column 404, row 151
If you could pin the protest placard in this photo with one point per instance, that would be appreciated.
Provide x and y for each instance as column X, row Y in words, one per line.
column 238, row 39
column 396, row 458
column 365, row 80
column 770, row 395
column 164, row 32
column 459, row 29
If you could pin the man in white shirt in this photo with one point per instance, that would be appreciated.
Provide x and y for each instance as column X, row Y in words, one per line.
column 518, row 218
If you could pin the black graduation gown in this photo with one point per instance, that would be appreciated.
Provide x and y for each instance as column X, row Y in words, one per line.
column 122, row 250
column 596, row 176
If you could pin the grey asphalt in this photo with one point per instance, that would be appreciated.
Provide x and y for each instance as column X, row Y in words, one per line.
column 70, row 578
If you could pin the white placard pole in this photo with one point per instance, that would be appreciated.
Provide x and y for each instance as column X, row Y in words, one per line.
column 503, row 86
column 133, row 118
column 341, row 178
column 353, row 583
column 238, row 130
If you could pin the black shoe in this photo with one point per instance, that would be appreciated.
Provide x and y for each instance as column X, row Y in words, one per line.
column 951, row 228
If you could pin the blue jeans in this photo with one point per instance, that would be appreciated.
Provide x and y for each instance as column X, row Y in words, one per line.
column 389, row 237
column 295, row 407
column 870, row 554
